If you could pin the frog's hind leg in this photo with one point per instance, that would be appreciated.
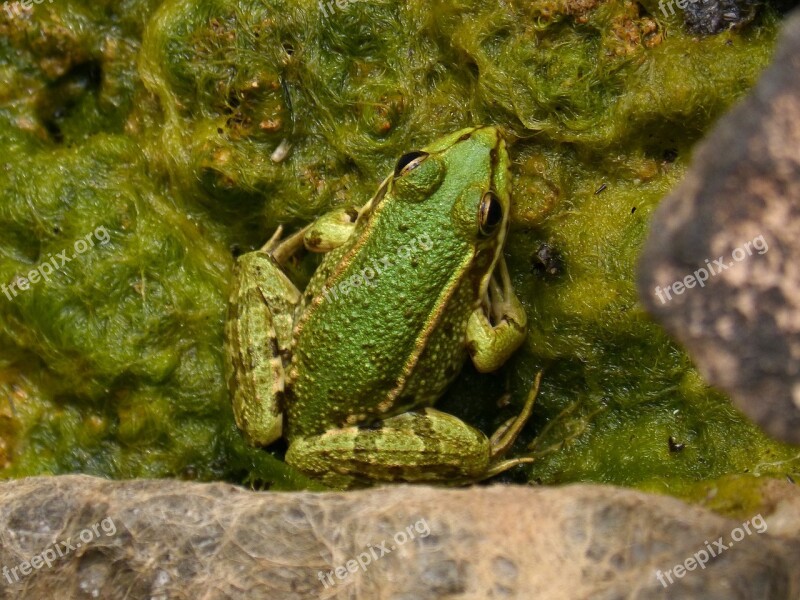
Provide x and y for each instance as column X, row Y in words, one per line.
column 258, row 335
column 417, row 446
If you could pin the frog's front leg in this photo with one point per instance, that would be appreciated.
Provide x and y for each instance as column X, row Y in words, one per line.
column 258, row 337
column 490, row 345
column 329, row 231
column 261, row 312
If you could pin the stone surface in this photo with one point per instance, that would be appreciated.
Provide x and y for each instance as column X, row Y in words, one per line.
column 714, row 16
column 736, row 217
column 170, row 539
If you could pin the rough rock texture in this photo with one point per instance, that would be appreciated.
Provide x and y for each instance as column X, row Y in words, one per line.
column 742, row 326
column 183, row 540
column 713, row 16
column 709, row 17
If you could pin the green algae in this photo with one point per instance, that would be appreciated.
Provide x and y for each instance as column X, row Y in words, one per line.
column 190, row 130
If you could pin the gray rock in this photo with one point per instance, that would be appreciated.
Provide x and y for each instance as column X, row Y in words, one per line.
column 735, row 222
column 714, row 16
column 170, row 539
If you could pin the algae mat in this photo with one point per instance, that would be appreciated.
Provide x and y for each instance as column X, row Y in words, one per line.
column 144, row 144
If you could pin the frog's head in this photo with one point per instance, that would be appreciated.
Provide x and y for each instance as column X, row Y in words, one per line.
column 463, row 183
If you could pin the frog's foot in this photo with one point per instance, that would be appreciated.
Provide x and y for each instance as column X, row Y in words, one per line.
column 507, row 434
column 273, row 242
column 495, row 331
column 418, row 446
column 330, row 231
column 282, row 250
column 504, row 304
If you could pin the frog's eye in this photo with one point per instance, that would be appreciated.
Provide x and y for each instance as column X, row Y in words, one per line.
column 490, row 214
column 409, row 162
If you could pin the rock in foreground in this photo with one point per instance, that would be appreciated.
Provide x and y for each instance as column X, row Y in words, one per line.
column 168, row 539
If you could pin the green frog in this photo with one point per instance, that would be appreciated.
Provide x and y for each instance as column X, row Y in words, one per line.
column 410, row 284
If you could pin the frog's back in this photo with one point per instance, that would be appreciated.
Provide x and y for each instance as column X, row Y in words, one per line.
column 387, row 346
column 421, row 253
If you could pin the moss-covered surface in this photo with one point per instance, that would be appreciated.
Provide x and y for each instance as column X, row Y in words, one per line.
column 164, row 123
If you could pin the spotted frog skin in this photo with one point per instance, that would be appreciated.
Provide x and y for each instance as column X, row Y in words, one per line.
column 411, row 284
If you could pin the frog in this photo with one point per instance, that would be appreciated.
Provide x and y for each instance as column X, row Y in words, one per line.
column 410, row 285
